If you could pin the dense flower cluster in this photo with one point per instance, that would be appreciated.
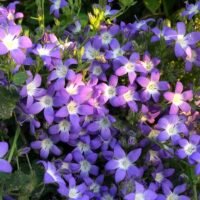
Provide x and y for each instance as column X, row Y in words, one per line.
column 79, row 110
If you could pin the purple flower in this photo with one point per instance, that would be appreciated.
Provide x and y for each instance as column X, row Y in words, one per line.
column 130, row 67
column 31, row 90
column 149, row 64
column 141, row 193
column 184, row 42
column 51, row 174
column 62, row 72
column 171, row 126
column 191, row 10
column 188, row 147
column 47, row 52
column 10, row 41
column 55, row 7
column 104, row 125
column 109, row 11
column 178, row 99
column 86, row 163
column 9, row 14
column 196, row 158
column 192, row 58
column 123, row 164
column 73, row 192
column 127, row 95
column 46, row 145
column 4, row 164
column 152, row 86
column 175, row 194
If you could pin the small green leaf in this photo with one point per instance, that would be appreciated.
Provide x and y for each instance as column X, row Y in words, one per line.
column 152, row 5
column 8, row 100
column 126, row 3
column 19, row 78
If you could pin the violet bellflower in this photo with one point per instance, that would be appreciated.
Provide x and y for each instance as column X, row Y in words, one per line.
column 184, row 42
column 141, row 193
column 178, row 99
column 171, row 126
column 11, row 42
column 191, row 10
column 152, row 86
column 4, row 164
column 123, row 164
column 130, row 66
column 56, row 6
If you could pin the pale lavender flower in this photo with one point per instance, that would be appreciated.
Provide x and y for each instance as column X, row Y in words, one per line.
column 191, row 10
column 56, row 6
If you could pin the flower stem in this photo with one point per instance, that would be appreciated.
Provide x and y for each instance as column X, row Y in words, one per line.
column 14, row 144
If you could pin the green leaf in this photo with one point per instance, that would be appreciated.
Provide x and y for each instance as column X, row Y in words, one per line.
column 8, row 100
column 152, row 5
column 19, row 78
column 126, row 3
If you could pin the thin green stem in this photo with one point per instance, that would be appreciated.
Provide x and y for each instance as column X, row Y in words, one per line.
column 14, row 144
column 29, row 163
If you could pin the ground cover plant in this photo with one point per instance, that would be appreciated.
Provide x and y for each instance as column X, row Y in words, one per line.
column 100, row 100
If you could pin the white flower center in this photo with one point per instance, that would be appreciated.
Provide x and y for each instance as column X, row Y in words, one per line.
column 153, row 155
column 172, row 196
column 85, row 166
column 31, row 88
column 74, row 193
column 177, row 99
column 193, row 56
column 47, row 101
column 152, row 87
column 72, row 89
column 190, row 149
column 128, row 96
column 159, row 177
column 61, row 71
column 107, row 197
column 139, row 196
column 64, row 126
column 194, row 9
column 65, row 165
column 124, row 163
column 118, row 52
column 95, row 188
column 171, row 129
column 43, row 51
column 10, row 42
column 129, row 67
column 83, row 147
column 106, row 38
column 181, row 40
column 97, row 70
column 47, row 144
column 148, row 65
column 153, row 133
column 104, row 123
column 110, row 92
column 57, row 4
column 72, row 107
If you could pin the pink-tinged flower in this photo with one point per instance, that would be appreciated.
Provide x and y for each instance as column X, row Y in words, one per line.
column 56, row 6
column 152, row 86
column 8, row 14
column 10, row 41
column 127, row 95
column 184, row 41
column 178, row 99
column 122, row 164
column 31, row 90
column 4, row 164
column 130, row 66
column 149, row 63
column 192, row 58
